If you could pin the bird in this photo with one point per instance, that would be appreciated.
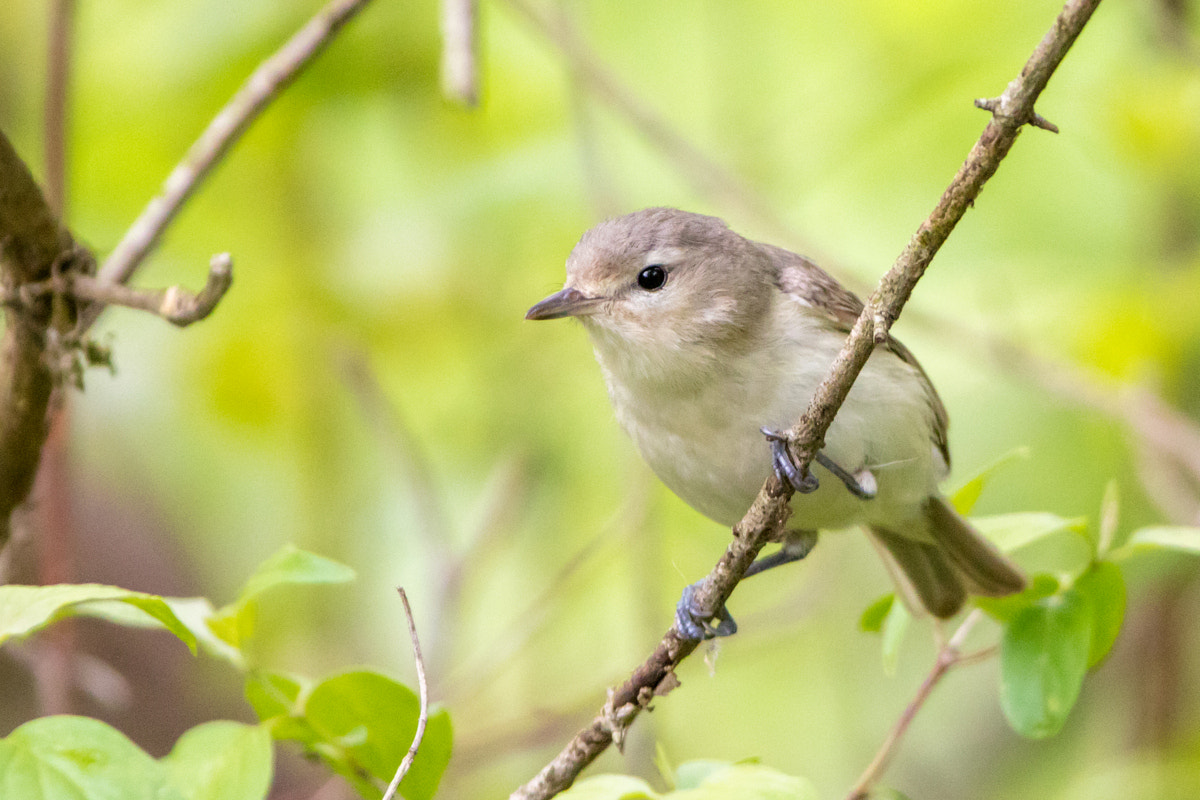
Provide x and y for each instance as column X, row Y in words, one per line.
column 711, row 343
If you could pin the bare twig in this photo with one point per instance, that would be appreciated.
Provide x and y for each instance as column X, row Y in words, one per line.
column 263, row 86
column 174, row 304
column 423, row 716
column 949, row 655
column 770, row 510
column 460, row 67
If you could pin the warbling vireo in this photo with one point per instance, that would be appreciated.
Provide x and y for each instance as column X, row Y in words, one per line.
column 708, row 340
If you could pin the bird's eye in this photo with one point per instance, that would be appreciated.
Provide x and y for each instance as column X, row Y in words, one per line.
column 652, row 278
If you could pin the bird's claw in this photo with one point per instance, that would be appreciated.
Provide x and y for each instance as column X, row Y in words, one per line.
column 693, row 622
column 785, row 468
column 861, row 484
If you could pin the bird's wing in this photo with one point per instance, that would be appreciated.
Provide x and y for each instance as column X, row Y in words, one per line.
column 817, row 290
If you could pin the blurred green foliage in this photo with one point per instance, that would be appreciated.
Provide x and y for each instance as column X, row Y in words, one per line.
column 378, row 230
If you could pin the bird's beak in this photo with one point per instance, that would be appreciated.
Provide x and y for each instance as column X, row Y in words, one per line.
column 569, row 302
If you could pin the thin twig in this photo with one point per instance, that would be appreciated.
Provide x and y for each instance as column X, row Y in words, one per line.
column 423, row 717
column 460, row 63
column 949, row 656
column 174, row 304
column 263, row 86
column 770, row 510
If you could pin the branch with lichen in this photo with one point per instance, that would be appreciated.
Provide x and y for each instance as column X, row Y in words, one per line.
column 765, row 519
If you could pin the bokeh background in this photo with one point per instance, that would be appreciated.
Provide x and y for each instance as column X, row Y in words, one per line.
column 369, row 390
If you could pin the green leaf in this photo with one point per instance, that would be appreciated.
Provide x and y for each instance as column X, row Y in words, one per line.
column 197, row 614
column 1181, row 538
column 610, row 787
column 692, row 774
column 234, row 623
column 221, row 761
column 872, row 619
column 292, row 565
column 80, row 758
column 25, row 609
column 1043, row 659
column 1005, row 609
column 1104, row 588
column 273, row 694
column 700, row 780
column 965, row 497
column 748, row 781
column 1010, row 532
column 371, row 719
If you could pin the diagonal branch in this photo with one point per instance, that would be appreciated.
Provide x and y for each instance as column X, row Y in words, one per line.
column 264, row 85
column 766, row 516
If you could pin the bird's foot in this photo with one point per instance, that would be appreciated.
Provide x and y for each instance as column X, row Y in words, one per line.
column 861, row 484
column 785, row 468
column 798, row 545
column 693, row 622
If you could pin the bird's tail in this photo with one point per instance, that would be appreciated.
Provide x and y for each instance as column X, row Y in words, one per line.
column 957, row 562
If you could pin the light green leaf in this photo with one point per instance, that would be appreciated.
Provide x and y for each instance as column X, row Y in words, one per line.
column 234, row 623
column 1043, row 659
column 197, row 614
column 872, row 618
column 610, row 787
column 273, row 694
column 1104, row 587
column 1010, row 532
column 747, row 781
column 80, row 758
column 25, row 609
column 1181, row 538
column 1004, row 609
column 380, row 717
column 965, row 497
column 692, row 774
column 292, row 565
column 221, row 761
column 700, row 780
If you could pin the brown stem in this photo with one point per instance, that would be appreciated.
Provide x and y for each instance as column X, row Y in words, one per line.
column 264, row 85
column 949, row 656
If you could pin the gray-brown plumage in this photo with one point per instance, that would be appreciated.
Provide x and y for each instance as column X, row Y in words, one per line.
column 705, row 337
